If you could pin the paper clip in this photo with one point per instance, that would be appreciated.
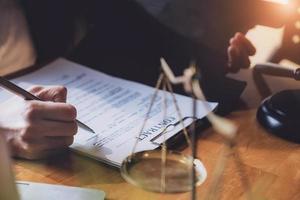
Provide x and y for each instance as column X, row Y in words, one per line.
column 166, row 129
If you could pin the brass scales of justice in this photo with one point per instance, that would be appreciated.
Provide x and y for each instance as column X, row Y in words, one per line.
column 167, row 171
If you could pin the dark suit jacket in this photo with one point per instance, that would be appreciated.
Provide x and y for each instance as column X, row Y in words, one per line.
column 124, row 40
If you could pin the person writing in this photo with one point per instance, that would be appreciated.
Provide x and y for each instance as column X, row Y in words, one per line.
column 35, row 129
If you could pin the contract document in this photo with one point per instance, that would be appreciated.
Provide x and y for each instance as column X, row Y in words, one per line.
column 115, row 109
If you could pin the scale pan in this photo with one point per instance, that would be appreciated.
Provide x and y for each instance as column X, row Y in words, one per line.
column 144, row 169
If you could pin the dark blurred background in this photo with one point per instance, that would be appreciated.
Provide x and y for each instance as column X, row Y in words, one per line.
column 126, row 38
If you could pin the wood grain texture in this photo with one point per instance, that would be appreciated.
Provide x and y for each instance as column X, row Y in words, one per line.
column 271, row 164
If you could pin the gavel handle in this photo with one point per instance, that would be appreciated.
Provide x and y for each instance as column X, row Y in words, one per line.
column 277, row 70
column 271, row 69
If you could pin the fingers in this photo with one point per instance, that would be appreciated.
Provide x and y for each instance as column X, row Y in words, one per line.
column 36, row 110
column 240, row 40
column 35, row 89
column 42, row 139
column 56, row 129
column 238, row 58
column 233, row 59
column 49, row 143
column 42, row 129
column 238, row 53
column 55, row 93
column 42, row 148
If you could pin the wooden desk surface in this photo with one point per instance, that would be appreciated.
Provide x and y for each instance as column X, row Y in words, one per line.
column 272, row 166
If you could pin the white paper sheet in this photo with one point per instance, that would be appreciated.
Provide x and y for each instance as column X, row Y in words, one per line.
column 38, row 191
column 114, row 108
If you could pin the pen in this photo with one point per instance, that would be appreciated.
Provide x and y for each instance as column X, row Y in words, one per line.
column 28, row 96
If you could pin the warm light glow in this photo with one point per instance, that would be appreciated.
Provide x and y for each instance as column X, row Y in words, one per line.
column 296, row 39
column 280, row 1
column 297, row 24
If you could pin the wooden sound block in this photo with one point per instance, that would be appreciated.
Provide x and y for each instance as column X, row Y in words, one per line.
column 280, row 115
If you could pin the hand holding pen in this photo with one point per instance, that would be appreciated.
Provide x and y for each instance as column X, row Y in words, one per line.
column 35, row 129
